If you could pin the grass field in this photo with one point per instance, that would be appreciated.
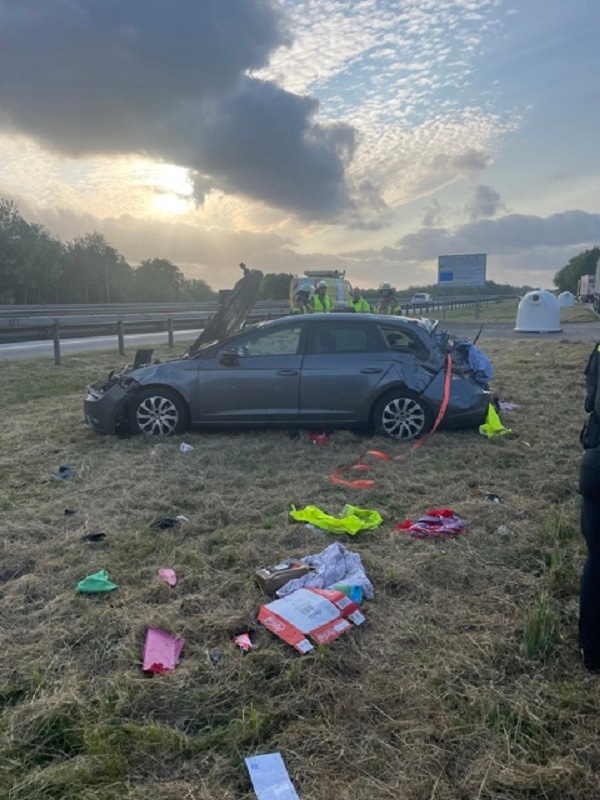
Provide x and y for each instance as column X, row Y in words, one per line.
column 464, row 683
column 506, row 311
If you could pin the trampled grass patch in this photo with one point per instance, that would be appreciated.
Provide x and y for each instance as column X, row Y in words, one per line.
column 465, row 682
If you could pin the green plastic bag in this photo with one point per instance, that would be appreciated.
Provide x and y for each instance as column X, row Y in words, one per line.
column 493, row 425
column 98, row 582
column 352, row 521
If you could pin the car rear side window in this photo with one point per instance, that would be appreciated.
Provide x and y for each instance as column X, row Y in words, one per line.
column 275, row 342
column 400, row 340
column 344, row 337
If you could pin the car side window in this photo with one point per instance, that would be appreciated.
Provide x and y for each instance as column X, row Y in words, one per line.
column 276, row 342
column 400, row 340
column 343, row 337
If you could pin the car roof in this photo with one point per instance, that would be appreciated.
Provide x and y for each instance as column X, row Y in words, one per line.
column 389, row 319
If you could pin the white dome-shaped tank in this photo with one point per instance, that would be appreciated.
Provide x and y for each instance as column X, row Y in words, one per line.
column 539, row 312
column 566, row 300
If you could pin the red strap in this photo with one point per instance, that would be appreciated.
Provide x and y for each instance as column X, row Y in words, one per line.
column 336, row 475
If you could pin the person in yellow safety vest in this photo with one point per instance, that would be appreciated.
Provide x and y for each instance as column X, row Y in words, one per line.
column 358, row 302
column 302, row 301
column 321, row 300
column 388, row 303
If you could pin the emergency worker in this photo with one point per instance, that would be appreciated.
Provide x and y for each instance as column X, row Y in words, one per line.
column 388, row 303
column 302, row 303
column 358, row 302
column 321, row 300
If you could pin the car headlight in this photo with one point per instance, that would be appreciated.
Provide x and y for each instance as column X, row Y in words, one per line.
column 93, row 393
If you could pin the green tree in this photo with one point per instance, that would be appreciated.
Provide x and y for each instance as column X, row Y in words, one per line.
column 198, row 290
column 95, row 272
column 566, row 278
column 158, row 280
column 275, row 286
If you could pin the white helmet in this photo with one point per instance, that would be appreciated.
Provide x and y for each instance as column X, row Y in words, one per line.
column 321, row 285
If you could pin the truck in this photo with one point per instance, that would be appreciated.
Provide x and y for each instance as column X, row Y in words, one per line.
column 338, row 288
column 586, row 287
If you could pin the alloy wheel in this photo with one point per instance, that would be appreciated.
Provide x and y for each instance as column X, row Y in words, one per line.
column 157, row 415
column 403, row 418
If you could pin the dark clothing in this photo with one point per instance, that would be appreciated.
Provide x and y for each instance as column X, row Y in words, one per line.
column 589, row 597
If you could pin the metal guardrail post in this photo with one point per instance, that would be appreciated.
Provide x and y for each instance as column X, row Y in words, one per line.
column 121, row 337
column 170, row 332
column 56, row 342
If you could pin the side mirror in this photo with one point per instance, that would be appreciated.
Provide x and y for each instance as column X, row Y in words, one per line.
column 229, row 358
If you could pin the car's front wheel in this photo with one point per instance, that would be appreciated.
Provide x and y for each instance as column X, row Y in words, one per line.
column 158, row 412
column 402, row 415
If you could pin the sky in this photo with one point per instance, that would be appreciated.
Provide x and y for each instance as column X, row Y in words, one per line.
column 370, row 136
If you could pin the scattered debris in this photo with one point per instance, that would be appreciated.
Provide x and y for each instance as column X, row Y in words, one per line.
column 493, row 425
column 186, row 448
column 214, row 656
column 503, row 530
column 322, row 614
column 168, row 575
column 165, row 523
column 244, row 642
column 318, row 437
column 65, row 471
column 491, row 497
column 438, row 523
column 181, row 518
column 504, row 406
column 352, row 520
column 272, row 578
column 70, row 512
column 98, row 582
column 334, row 565
column 355, row 593
column 269, row 777
column 161, row 651
column 94, row 536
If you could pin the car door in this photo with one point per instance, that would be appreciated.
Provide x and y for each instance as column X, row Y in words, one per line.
column 255, row 378
column 345, row 361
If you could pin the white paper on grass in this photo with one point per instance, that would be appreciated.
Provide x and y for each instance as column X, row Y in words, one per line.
column 269, row 778
column 335, row 564
column 305, row 610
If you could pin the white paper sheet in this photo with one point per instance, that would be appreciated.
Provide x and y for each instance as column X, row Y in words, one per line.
column 269, row 778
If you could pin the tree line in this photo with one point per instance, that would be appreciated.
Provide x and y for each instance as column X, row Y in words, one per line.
column 37, row 268
column 584, row 263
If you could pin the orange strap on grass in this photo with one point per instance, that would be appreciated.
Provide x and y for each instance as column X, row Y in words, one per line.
column 368, row 483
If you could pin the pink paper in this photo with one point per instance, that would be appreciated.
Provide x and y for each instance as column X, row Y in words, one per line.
column 161, row 651
column 168, row 575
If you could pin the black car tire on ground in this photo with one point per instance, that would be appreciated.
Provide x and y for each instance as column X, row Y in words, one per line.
column 402, row 415
column 158, row 411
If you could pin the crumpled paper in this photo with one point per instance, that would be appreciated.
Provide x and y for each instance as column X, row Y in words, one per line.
column 335, row 564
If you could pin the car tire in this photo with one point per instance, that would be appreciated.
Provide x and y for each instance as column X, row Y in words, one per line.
column 158, row 411
column 402, row 415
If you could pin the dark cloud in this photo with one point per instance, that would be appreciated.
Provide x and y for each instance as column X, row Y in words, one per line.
column 469, row 163
column 486, row 202
column 170, row 80
column 510, row 234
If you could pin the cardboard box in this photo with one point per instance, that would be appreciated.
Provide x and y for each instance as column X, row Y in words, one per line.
column 272, row 578
column 321, row 614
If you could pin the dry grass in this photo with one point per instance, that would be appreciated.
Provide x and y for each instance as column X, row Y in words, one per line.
column 465, row 682
column 506, row 311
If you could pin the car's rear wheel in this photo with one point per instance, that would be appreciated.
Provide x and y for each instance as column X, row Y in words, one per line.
column 158, row 412
column 402, row 415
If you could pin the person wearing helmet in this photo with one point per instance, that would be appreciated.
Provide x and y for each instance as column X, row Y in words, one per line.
column 302, row 301
column 321, row 300
column 388, row 303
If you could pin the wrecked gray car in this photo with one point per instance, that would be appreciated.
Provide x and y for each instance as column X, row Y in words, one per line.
column 318, row 371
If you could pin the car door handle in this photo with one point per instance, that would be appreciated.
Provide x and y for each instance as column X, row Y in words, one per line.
column 371, row 370
column 287, row 372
